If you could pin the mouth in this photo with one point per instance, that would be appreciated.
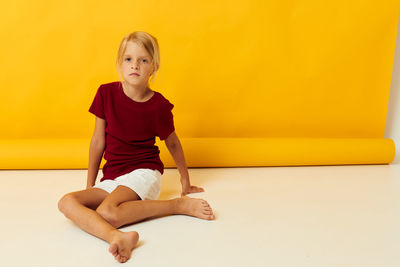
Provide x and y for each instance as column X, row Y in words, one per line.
column 134, row 74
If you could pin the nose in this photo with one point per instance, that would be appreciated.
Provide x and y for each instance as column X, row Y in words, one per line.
column 135, row 65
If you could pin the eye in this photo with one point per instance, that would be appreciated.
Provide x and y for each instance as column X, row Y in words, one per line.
column 144, row 60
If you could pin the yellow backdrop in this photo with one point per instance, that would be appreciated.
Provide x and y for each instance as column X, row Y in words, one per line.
column 254, row 83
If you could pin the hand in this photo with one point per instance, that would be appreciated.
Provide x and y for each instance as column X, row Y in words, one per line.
column 191, row 189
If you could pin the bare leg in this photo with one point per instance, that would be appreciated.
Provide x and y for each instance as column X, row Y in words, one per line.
column 134, row 211
column 91, row 222
column 119, row 211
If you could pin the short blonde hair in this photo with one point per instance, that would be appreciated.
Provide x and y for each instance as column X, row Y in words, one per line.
column 146, row 40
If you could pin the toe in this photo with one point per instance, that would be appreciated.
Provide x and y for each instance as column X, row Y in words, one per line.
column 125, row 255
column 118, row 258
column 113, row 249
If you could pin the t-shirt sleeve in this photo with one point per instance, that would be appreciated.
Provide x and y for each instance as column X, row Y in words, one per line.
column 165, row 121
column 97, row 107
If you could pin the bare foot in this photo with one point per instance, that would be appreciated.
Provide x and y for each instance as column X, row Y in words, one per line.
column 122, row 244
column 194, row 207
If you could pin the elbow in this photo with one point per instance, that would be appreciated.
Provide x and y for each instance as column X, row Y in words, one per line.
column 98, row 142
column 172, row 141
column 172, row 146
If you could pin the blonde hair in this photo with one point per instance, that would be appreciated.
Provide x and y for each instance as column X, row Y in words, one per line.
column 146, row 40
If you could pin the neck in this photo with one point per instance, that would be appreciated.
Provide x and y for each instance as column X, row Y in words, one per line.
column 139, row 91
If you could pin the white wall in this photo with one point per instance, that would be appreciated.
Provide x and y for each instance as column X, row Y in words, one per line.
column 392, row 129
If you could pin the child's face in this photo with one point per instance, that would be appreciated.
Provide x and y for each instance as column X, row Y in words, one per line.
column 136, row 59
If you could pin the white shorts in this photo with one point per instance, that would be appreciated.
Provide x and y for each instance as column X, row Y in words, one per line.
column 145, row 182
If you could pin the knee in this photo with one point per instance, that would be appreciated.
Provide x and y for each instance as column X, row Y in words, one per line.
column 110, row 214
column 65, row 202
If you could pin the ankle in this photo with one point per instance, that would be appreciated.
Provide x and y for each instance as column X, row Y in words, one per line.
column 112, row 234
column 176, row 204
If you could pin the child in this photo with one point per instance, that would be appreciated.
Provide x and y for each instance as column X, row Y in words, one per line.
column 128, row 117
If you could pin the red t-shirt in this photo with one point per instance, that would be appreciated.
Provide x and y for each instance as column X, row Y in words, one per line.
column 131, row 129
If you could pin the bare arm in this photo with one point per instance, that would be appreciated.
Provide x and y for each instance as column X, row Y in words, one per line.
column 96, row 150
column 175, row 148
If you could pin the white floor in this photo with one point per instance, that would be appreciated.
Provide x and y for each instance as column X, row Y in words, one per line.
column 269, row 216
